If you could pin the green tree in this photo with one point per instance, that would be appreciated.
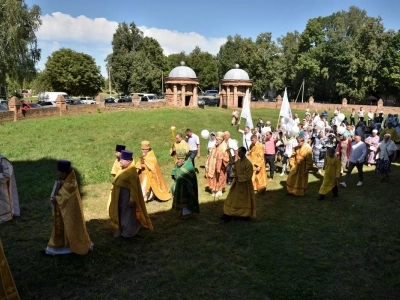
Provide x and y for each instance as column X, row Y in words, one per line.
column 73, row 72
column 205, row 66
column 18, row 44
column 137, row 62
column 174, row 60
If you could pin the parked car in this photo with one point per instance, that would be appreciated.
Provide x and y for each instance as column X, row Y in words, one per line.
column 76, row 102
column 211, row 101
column 213, row 93
column 3, row 107
column 255, row 98
column 88, row 100
column 109, row 100
column 125, row 100
column 4, row 102
column 29, row 105
column 47, row 104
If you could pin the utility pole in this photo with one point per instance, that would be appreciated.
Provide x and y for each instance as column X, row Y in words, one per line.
column 109, row 79
column 162, row 82
column 302, row 94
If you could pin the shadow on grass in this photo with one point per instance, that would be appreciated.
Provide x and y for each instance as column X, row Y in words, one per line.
column 297, row 247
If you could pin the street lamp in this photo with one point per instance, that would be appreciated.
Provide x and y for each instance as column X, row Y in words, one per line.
column 109, row 79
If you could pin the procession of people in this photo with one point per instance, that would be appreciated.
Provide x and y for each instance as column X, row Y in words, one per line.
column 329, row 148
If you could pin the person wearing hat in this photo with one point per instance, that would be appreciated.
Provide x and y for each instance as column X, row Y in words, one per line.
column 256, row 157
column 300, row 164
column 9, row 201
column 116, row 166
column 372, row 146
column 180, row 143
column 127, row 210
column 150, row 175
column 358, row 153
column 216, row 166
column 69, row 233
column 240, row 201
column 184, row 191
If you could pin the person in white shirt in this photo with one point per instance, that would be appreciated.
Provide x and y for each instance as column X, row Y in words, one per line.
column 211, row 142
column 360, row 115
column 289, row 145
column 357, row 157
column 246, row 136
column 194, row 146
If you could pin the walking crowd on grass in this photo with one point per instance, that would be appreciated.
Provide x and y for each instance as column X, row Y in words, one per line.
column 331, row 148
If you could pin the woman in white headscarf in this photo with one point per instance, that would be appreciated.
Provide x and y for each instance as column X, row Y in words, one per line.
column 211, row 142
column 372, row 144
column 387, row 151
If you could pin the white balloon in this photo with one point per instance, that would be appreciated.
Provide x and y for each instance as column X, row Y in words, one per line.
column 295, row 130
column 341, row 130
column 264, row 130
column 284, row 128
column 320, row 125
column 205, row 134
column 337, row 122
column 341, row 117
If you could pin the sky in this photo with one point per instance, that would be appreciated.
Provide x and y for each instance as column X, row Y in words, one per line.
column 180, row 25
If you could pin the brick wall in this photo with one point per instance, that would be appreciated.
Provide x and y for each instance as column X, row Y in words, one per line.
column 7, row 116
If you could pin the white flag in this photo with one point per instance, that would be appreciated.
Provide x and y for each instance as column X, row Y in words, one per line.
column 285, row 108
column 246, row 114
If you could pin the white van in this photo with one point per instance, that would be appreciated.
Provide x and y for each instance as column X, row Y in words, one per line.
column 52, row 96
column 88, row 100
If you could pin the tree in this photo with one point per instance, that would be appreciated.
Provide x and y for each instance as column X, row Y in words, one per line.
column 205, row 66
column 174, row 60
column 136, row 62
column 18, row 44
column 73, row 72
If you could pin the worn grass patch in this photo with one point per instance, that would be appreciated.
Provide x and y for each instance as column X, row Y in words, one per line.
column 296, row 248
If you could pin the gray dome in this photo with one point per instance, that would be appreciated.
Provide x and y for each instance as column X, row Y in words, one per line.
column 236, row 74
column 182, row 72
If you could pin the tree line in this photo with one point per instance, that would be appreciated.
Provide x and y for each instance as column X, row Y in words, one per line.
column 346, row 54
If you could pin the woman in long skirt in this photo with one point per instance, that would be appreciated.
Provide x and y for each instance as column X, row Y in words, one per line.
column 387, row 151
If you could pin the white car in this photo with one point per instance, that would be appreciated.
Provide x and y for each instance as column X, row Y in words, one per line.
column 88, row 100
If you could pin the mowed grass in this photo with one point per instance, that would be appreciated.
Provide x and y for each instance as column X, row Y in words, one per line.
column 296, row 248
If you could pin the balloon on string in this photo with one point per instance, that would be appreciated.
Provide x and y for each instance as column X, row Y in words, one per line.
column 341, row 130
column 205, row 134
column 340, row 117
column 264, row 130
column 320, row 125
column 295, row 130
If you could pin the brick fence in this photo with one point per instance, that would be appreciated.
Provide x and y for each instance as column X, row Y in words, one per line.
column 6, row 116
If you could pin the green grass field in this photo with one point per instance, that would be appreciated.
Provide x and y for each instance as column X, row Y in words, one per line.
column 296, row 248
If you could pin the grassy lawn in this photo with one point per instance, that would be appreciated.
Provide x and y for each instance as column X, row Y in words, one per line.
column 296, row 248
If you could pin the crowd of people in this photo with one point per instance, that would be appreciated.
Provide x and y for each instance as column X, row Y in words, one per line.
column 330, row 147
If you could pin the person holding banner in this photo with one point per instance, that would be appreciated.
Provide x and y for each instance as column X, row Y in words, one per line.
column 246, row 136
column 300, row 164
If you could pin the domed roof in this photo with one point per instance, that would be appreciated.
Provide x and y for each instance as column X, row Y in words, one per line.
column 236, row 74
column 182, row 72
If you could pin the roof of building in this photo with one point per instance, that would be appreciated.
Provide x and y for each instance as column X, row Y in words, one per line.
column 236, row 74
column 182, row 72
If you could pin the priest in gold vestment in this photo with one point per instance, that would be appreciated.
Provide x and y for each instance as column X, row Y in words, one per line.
column 151, row 179
column 128, row 211
column 216, row 166
column 256, row 157
column 69, row 233
column 300, row 164
column 116, row 167
column 180, row 143
column 240, row 202
column 8, row 290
